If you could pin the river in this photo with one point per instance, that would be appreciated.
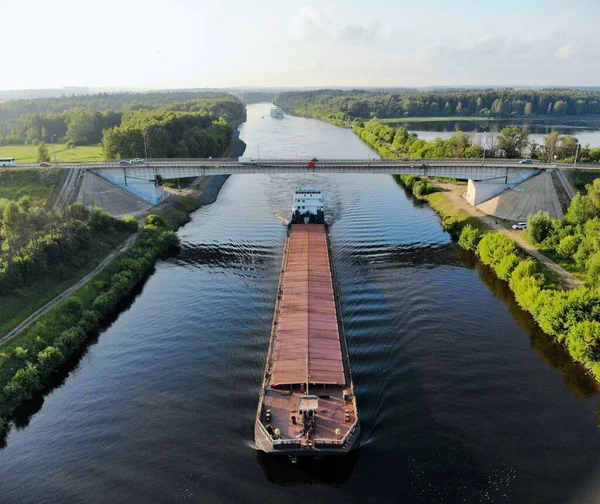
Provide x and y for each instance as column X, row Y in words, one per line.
column 461, row 398
column 486, row 131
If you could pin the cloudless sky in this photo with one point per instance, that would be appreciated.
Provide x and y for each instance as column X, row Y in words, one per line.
column 199, row 43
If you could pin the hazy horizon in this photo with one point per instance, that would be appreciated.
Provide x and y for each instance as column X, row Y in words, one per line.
column 185, row 44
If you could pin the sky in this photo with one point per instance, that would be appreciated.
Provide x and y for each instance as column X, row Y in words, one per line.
column 157, row 44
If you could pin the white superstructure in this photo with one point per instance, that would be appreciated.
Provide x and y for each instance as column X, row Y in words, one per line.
column 308, row 205
column 277, row 113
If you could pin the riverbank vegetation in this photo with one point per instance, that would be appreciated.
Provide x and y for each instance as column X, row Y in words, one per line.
column 512, row 142
column 43, row 250
column 571, row 316
column 176, row 124
column 344, row 107
column 28, row 360
column 573, row 241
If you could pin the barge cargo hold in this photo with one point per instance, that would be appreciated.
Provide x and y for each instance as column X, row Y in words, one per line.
column 307, row 404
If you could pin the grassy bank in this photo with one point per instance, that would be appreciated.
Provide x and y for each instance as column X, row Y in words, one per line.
column 28, row 153
column 39, row 185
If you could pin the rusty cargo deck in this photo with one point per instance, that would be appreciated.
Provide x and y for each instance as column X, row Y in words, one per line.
column 307, row 404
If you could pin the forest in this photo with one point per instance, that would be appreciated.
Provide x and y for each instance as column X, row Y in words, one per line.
column 83, row 120
column 343, row 107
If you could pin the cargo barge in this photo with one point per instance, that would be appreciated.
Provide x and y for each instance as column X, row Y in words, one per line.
column 307, row 404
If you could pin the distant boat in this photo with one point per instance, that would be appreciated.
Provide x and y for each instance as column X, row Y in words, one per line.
column 277, row 113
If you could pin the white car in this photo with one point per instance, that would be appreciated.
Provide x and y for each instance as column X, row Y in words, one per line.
column 137, row 160
column 520, row 225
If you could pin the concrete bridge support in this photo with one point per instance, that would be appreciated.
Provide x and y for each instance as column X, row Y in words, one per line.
column 479, row 191
column 142, row 187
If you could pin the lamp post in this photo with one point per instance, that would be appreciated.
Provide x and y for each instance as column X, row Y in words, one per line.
column 53, row 150
column 484, row 146
column 145, row 149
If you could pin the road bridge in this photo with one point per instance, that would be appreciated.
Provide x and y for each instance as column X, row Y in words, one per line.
column 492, row 175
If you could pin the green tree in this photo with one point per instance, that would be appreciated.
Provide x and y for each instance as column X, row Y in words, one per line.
column 539, row 226
column 469, row 237
column 512, row 140
column 42, row 153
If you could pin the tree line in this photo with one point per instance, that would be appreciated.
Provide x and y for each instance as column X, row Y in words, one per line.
column 342, row 107
column 512, row 142
column 85, row 123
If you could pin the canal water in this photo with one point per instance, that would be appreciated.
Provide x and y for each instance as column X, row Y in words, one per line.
column 461, row 398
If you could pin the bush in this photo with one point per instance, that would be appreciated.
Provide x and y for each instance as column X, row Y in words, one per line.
column 105, row 302
column 469, row 237
column 593, row 270
column 583, row 340
column 568, row 246
column 48, row 360
column 21, row 387
column 539, row 226
column 506, row 266
column 494, row 247
column 156, row 221
column 90, row 321
column 69, row 340
column 130, row 223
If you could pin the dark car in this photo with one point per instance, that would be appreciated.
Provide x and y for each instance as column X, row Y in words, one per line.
column 526, row 161
column 43, row 164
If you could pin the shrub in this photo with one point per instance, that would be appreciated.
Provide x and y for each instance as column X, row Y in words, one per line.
column 69, row 340
column 506, row 266
column 90, row 320
column 539, row 226
column 130, row 223
column 105, row 302
column 101, row 220
column 593, row 270
column 583, row 340
column 493, row 247
column 469, row 237
column 156, row 221
column 21, row 387
column 48, row 360
column 550, row 308
column 526, row 290
column 568, row 246
column 168, row 240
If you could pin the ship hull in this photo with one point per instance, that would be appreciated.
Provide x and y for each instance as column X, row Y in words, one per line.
column 336, row 426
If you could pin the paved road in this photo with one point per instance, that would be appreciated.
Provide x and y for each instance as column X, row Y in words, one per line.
column 322, row 163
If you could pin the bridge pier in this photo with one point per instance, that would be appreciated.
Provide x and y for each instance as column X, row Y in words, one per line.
column 479, row 191
column 141, row 187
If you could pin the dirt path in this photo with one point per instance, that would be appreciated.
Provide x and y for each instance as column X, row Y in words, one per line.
column 454, row 193
column 63, row 295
